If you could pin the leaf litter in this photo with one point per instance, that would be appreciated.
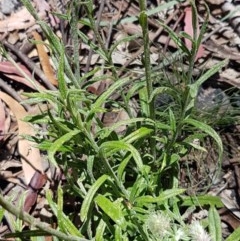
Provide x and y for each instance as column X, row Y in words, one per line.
column 221, row 41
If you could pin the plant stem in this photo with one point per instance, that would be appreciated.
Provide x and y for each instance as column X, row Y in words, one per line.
column 34, row 222
column 74, row 34
column 147, row 65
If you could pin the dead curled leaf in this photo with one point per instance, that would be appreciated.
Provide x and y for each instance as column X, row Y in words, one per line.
column 37, row 182
column 44, row 59
column 30, row 200
column 10, row 70
column 228, row 217
column 30, row 155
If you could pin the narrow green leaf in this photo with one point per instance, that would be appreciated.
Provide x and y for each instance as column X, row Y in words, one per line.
column 161, row 198
column 123, row 40
column 137, row 188
column 122, row 167
column 58, row 143
column 197, row 147
column 138, row 134
column 1, row 213
column 60, row 198
column 89, row 197
column 143, row 96
column 60, row 124
column 110, row 147
column 93, row 46
column 51, row 203
column 162, row 126
column 134, row 89
column 193, row 88
column 160, row 90
column 194, row 22
column 203, row 29
column 207, row 129
column 90, row 162
column 66, row 224
column 104, row 132
column 54, row 41
column 235, row 236
column 172, row 120
column 100, row 230
column 46, row 95
column 214, row 224
column 185, row 35
column 103, row 97
column 61, row 80
column 111, row 209
column 63, row 220
column 202, row 201
column 30, row 8
column 174, row 158
column 90, row 74
column 175, row 38
column 118, row 233
column 132, row 19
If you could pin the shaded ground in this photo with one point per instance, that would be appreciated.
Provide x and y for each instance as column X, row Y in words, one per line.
column 220, row 93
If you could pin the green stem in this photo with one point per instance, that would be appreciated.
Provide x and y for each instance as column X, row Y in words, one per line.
column 104, row 160
column 147, row 65
column 34, row 222
column 74, row 33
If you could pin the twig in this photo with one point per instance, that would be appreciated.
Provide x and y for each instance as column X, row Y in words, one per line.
column 8, row 89
column 34, row 222
column 152, row 38
column 94, row 37
column 174, row 27
column 30, row 65
column 111, row 26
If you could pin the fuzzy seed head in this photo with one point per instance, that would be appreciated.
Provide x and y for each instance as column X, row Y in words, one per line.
column 159, row 224
column 198, row 233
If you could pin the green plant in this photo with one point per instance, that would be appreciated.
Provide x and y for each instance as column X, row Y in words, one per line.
column 126, row 182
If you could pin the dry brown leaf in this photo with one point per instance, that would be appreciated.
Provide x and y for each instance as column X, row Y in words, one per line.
column 30, row 156
column 44, row 60
column 10, row 70
column 228, row 7
column 228, row 217
column 230, row 202
column 37, row 182
column 188, row 28
column 117, row 115
column 2, row 120
column 19, row 20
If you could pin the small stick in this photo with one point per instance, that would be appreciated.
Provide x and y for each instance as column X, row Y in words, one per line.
column 152, row 38
column 94, row 36
column 13, row 93
column 30, row 65
column 18, row 212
